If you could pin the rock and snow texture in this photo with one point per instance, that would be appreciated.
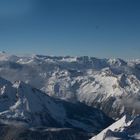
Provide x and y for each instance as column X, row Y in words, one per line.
column 21, row 103
column 124, row 129
column 111, row 85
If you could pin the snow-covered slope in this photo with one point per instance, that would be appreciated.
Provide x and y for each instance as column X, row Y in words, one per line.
column 21, row 103
column 111, row 85
column 124, row 129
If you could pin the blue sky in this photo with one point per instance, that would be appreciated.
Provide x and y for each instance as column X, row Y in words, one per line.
column 101, row 28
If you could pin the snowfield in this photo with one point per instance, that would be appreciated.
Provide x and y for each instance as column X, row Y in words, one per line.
column 21, row 103
column 124, row 129
column 76, row 95
column 111, row 85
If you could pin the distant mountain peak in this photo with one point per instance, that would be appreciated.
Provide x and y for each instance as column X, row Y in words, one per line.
column 94, row 81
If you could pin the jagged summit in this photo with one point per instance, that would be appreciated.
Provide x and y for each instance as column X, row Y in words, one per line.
column 20, row 102
column 93, row 81
column 111, row 85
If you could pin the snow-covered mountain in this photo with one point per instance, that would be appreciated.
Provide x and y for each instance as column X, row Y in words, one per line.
column 124, row 129
column 22, row 104
column 111, row 85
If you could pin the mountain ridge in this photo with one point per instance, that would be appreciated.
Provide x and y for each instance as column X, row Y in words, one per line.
column 93, row 81
column 22, row 104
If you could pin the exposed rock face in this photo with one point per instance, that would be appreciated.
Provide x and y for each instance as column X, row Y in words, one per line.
column 108, row 84
column 22, row 105
column 11, row 132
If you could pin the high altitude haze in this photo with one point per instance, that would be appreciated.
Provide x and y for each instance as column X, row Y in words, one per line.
column 102, row 28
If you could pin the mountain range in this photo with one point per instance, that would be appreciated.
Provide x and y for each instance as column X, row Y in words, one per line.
column 78, row 96
column 27, row 107
column 111, row 85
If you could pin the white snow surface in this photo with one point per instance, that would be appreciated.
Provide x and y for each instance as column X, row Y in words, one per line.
column 93, row 81
column 25, row 104
column 125, row 128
